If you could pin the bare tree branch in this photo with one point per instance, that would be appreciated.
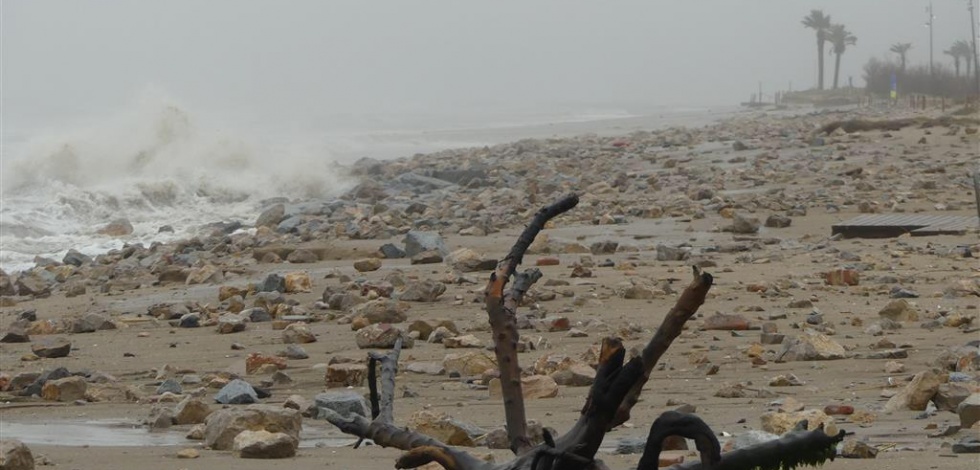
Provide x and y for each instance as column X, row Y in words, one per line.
column 795, row 449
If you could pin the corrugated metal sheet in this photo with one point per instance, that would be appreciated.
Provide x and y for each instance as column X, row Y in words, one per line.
column 893, row 225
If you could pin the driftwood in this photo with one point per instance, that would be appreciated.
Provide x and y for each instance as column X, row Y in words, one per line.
column 864, row 125
column 615, row 391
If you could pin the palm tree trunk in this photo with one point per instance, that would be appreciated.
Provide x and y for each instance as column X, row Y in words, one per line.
column 903, row 63
column 820, row 63
column 836, row 69
column 956, row 64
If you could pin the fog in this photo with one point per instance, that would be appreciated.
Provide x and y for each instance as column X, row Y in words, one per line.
column 310, row 62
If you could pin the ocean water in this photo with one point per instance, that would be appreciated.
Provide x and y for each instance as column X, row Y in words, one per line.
column 156, row 163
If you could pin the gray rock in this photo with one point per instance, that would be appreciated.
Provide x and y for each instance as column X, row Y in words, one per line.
column 778, row 221
column 256, row 315
column 344, row 403
column 90, row 323
column 417, row 242
column 745, row 225
column 969, row 411
column 51, row 347
column 295, row 351
column 670, row 253
column 272, row 283
column 390, row 251
column 14, row 455
column 967, row 445
column 35, row 387
column 76, row 258
column 15, row 334
column 190, row 320
column 224, row 425
column 169, row 385
column 230, row 323
column 237, row 392
column 263, row 444
column 271, row 216
column 423, row 291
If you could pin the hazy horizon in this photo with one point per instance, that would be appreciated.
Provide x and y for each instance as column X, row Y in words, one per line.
column 302, row 61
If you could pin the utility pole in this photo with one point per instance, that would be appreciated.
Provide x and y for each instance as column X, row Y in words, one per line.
column 929, row 24
column 976, row 60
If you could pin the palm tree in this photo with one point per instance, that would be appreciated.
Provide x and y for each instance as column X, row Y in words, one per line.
column 955, row 53
column 902, row 49
column 840, row 37
column 965, row 51
column 820, row 23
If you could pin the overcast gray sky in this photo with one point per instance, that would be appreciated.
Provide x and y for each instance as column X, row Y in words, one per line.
column 300, row 59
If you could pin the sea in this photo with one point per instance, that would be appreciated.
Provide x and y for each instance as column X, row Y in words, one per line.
column 157, row 162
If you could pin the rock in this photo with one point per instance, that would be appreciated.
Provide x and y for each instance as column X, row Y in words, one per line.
column 423, row 291
column 51, row 347
column 298, row 281
column 842, row 277
column 230, row 323
column 917, row 394
column 427, row 368
column 169, row 386
column 950, row 395
column 534, row 386
column 427, row 257
column 788, row 380
column 237, row 392
column 117, row 228
column 191, row 410
column 301, row 256
column 16, row 334
column 271, row 216
column 33, row 285
column 188, row 454
column 858, row 450
column 894, row 367
column 381, row 336
column 417, row 242
column 812, row 346
column 745, row 225
column 466, row 260
column 391, row 251
column 294, row 351
column 739, row 146
column 263, row 444
column 367, row 265
column 605, row 247
column 380, row 311
column 969, row 411
column 272, row 283
column 669, row 253
column 76, row 258
column 470, row 363
column 426, row 327
column 780, row 423
column 346, row 375
column 575, row 375
column 256, row 314
column 224, row 425
column 778, row 221
column 14, row 455
column 255, row 362
column 444, row 428
column 298, row 333
column 343, row 403
column 721, row 321
column 67, row 389
column 464, row 341
column 207, row 274
column 967, row 445
column 898, row 310
column 90, row 323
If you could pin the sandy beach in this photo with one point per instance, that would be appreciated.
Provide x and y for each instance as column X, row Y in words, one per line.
column 653, row 202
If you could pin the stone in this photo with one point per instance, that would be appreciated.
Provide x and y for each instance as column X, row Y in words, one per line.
column 842, row 277
column 534, row 386
column 969, row 411
column 188, row 453
column 271, row 217
column 255, row 361
column 381, row 336
column 272, row 283
column 669, row 253
column 898, row 310
column 207, row 274
column 237, row 392
column 117, row 228
column 427, row 257
column 301, row 256
column 76, row 258
column 298, row 333
column 381, row 311
column 778, row 221
column 444, row 428
column 390, row 251
column 894, row 367
column 470, row 363
column 422, row 291
column 367, row 265
column 51, row 348
column 464, row 341
column 191, row 410
column 426, row 327
column 950, row 395
column 417, row 242
column 346, row 375
column 858, row 450
column 297, row 281
column 90, row 323
column 15, row 334
column 575, row 375
column 745, row 225
column 169, row 386
column 466, row 260
column 160, row 418
column 721, row 321
column 606, row 247
column 918, row 393
column 788, row 380
column 967, row 445
column 344, row 403
column 32, row 285
column 230, row 323
column 15, row 455
column 780, row 423
column 67, row 389
column 812, row 346
column 255, row 315
column 224, row 425
column 427, row 368
column 263, row 444
column 294, row 351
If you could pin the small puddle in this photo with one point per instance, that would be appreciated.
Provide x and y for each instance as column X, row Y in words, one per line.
column 108, row 433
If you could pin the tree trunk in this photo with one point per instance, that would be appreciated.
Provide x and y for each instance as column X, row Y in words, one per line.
column 819, row 62
column 903, row 63
column 836, row 69
column 956, row 65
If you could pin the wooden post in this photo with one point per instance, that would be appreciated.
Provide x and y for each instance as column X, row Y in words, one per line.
column 976, row 188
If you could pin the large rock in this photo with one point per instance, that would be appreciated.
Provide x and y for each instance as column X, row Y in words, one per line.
column 812, row 346
column 67, row 389
column 16, row 334
column 576, row 375
column 745, row 225
column 445, row 428
column 423, row 291
column 298, row 333
column 380, row 311
column 381, row 336
column 969, row 411
column 271, row 216
column 466, row 260
column 535, row 386
column 51, row 347
column 469, row 363
column 898, row 310
column 14, row 455
column 263, row 444
column 191, row 411
column 298, row 281
column 90, row 323
column 416, row 242
column 76, row 258
column 237, row 392
column 117, row 228
column 346, row 375
column 917, row 394
column 343, row 403
column 224, row 425
column 780, row 423
column 367, row 265
column 31, row 284
column 230, row 323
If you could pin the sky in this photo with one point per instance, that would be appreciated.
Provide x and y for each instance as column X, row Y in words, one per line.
column 299, row 61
